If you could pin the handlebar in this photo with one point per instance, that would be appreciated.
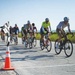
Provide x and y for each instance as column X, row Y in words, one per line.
column 71, row 34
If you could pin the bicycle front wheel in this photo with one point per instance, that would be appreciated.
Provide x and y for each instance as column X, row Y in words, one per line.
column 49, row 45
column 26, row 44
column 41, row 45
column 34, row 42
column 57, row 48
column 68, row 48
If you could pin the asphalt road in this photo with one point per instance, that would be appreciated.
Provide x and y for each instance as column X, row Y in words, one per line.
column 37, row 62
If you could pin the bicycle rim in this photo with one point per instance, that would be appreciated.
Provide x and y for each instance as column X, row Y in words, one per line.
column 57, row 50
column 30, row 45
column 34, row 42
column 42, row 47
column 68, row 48
column 49, row 45
column 26, row 44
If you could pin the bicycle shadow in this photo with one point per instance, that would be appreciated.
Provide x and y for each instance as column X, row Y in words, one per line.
column 38, row 57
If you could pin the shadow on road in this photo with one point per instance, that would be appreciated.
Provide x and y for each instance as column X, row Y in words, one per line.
column 33, row 57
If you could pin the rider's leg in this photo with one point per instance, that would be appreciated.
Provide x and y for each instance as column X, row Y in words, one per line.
column 59, row 32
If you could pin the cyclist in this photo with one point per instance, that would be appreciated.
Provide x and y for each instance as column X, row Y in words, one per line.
column 28, row 29
column 23, row 34
column 16, row 31
column 61, row 26
column 61, row 32
column 11, row 33
column 34, row 29
column 2, row 35
column 6, row 31
column 45, row 29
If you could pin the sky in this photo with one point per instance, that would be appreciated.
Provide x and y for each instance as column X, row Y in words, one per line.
column 20, row 11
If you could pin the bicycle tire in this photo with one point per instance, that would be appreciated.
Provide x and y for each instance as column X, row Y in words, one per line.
column 30, row 45
column 30, row 42
column 49, row 46
column 68, row 47
column 57, row 50
column 26, row 44
column 34, row 42
column 41, row 45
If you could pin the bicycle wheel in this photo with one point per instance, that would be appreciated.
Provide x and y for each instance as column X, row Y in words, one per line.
column 68, row 48
column 57, row 48
column 15, row 40
column 30, row 43
column 34, row 42
column 49, row 45
column 41, row 45
column 26, row 44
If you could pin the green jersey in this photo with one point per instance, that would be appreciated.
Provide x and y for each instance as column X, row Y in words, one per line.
column 45, row 25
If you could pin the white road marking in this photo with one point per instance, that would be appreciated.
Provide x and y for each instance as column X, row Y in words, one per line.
column 48, row 66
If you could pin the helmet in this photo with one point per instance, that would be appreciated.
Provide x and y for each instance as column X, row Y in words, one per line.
column 33, row 24
column 66, row 19
column 6, row 24
column 28, row 22
column 15, row 24
column 47, row 19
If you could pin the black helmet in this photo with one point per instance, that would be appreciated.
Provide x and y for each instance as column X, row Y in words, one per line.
column 66, row 19
column 47, row 19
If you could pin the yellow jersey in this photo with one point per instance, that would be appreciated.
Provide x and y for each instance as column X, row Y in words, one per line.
column 45, row 25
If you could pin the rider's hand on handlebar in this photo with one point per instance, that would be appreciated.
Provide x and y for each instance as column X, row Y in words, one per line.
column 72, row 34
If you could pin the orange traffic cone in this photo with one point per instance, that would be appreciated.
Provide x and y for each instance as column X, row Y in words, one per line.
column 8, row 61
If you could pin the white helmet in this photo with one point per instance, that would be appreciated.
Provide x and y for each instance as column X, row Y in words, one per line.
column 66, row 19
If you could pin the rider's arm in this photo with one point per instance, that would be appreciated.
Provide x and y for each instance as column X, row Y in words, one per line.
column 69, row 29
column 50, row 28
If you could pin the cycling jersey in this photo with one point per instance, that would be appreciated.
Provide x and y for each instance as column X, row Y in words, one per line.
column 46, row 25
column 61, row 25
column 16, row 30
column 28, row 28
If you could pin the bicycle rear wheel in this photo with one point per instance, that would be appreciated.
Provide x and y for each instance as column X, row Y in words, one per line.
column 57, row 48
column 49, row 45
column 68, row 48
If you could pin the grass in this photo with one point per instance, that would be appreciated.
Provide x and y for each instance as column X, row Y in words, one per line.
column 53, row 37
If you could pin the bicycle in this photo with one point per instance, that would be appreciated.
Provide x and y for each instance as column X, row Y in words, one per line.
column 31, row 41
column 65, row 44
column 46, row 43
